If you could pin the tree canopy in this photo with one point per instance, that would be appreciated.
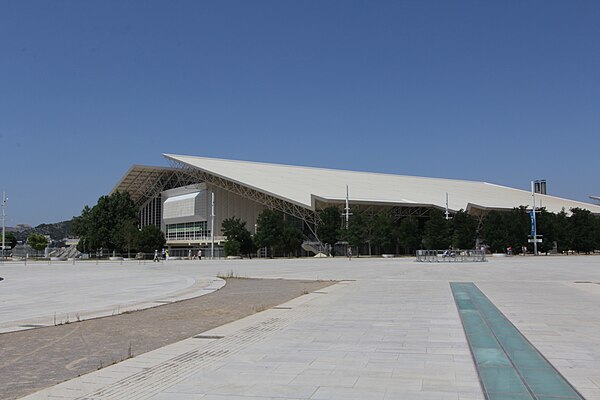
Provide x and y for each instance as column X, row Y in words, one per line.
column 149, row 238
column 328, row 229
column 37, row 241
column 438, row 233
column 277, row 234
column 10, row 240
column 239, row 239
column 108, row 225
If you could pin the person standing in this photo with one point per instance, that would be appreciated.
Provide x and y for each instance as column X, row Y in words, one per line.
column 155, row 256
column 164, row 254
column 199, row 254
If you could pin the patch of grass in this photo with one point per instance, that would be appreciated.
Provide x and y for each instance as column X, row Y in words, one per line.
column 231, row 275
column 258, row 308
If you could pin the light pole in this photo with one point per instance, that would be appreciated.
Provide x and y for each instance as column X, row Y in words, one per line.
column 212, row 226
column 347, row 212
column 4, row 199
column 534, row 235
column 347, row 215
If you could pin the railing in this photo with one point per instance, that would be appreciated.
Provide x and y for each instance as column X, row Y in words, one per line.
column 262, row 252
column 451, row 256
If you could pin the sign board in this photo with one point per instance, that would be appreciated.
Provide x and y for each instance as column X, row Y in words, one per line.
column 538, row 240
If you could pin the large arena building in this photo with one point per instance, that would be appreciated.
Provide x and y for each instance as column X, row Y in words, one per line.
column 179, row 198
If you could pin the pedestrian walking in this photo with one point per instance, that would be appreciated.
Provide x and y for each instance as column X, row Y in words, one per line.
column 155, row 259
column 199, row 254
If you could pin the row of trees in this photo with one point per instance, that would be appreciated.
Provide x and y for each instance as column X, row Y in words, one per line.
column 578, row 232
column 498, row 230
column 112, row 225
column 37, row 241
column 384, row 233
column 280, row 236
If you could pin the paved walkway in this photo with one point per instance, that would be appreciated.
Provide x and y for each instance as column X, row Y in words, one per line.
column 46, row 294
column 391, row 330
column 38, row 358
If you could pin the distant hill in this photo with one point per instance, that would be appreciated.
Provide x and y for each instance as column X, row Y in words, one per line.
column 56, row 231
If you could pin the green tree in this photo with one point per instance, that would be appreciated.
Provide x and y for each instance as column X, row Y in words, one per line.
column 409, row 235
column 546, row 226
column 518, row 228
column 437, row 233
column 232, row 247
column 464, row 230
column 597, row 232
column 81, row 227
column 269, row 230
column 561, row 231
column 495, row 231
column 328, row 229
column 10, row 240
column 291, row 240
column 385, row 232
column 149, row 239
column 277, row 234
column 125, row 236
column 582, row 229
column 37, row 241
column 357, row 233
column 235, row 230
column 98, row 226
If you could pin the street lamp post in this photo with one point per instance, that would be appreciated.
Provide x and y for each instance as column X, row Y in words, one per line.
column 212, row 225
column 534, row 211
column 4, row 199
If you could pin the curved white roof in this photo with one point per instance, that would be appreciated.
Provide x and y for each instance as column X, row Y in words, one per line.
column 303, row 185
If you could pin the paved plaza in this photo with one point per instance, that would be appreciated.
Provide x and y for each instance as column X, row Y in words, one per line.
column 389, row 329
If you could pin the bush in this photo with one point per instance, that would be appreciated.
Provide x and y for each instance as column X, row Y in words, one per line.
column 232, row 248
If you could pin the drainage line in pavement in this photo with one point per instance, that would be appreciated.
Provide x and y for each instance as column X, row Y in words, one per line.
column 508, row 365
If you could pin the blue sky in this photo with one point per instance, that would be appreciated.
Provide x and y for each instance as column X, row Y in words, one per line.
column 503, row 92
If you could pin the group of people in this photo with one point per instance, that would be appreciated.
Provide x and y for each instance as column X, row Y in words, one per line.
column 198, row 255
column 165, row 255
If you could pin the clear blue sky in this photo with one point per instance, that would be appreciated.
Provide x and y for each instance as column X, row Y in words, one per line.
column 504, row 91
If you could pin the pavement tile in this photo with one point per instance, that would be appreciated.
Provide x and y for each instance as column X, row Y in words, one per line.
column 395, row 333
column 341, row 393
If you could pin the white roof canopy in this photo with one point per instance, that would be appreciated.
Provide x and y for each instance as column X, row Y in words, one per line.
column 304, row 185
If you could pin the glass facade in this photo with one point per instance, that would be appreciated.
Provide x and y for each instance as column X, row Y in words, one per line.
column 188, row 231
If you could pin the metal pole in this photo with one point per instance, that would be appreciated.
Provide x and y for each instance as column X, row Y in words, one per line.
column 347, row 209
column 212, row 225
column 3, row 222
column 447, row 212
column 534, row 221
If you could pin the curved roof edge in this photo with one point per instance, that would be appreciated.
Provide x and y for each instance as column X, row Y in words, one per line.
column 301, row 185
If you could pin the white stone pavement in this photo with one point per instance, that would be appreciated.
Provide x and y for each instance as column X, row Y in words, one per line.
column 44, row 294
column 388, row 330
